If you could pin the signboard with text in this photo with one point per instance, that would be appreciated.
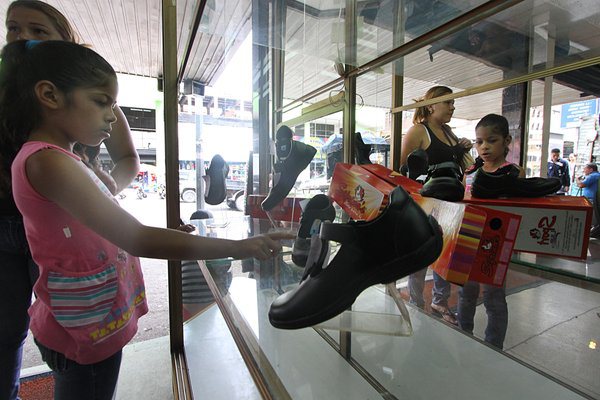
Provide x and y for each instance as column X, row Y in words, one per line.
column 571, row 114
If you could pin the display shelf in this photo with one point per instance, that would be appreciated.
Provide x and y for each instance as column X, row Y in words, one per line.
column 320, row 362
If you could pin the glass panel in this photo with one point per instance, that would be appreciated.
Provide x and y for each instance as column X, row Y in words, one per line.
column 373, row 117
column 295, row 361
column 376, row 22
column 314, row 43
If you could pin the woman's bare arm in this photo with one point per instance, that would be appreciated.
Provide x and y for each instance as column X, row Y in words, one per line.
column 122, row 152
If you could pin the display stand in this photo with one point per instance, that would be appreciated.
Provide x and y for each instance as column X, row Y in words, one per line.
column 357, row 320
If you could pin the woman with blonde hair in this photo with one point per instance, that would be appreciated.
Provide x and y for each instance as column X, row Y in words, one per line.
column 431, row 133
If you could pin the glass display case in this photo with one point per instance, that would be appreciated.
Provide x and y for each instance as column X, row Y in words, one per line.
column 426, row 359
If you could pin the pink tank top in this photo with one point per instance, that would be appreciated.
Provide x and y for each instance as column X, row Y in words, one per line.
column 90, row 293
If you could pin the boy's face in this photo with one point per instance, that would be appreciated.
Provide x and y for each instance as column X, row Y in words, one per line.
column 587, row 170
column 555, row 156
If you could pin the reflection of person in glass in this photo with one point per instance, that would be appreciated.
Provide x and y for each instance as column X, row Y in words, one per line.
column 431, row 133
column 559, row 168
column 589, row 187
column 492, row 139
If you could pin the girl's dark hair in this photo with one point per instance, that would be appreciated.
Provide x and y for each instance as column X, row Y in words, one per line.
column 497, row 123
column 60, row 22
column 67, row 65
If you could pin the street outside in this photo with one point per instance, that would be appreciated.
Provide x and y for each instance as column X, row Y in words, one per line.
column 150, row 211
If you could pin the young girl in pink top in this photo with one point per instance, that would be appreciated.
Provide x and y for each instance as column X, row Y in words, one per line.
column 90, row 293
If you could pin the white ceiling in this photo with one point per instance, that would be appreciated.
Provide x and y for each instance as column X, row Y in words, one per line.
column 128, row 34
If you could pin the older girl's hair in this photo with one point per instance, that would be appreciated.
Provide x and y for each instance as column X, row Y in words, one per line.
column 67, row 65
column 60, row 22
column 497, row 123
column 421, row 113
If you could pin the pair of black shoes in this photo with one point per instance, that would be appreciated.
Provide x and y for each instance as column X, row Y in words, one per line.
column 400, row 241
column 292, row 157
column 443, row 181
column 215, row 190
column 505, row 182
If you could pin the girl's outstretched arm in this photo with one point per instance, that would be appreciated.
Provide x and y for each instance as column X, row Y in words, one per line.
column 64, row 181
column 122, row 152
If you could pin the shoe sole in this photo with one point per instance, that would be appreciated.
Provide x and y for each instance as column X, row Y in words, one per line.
column 386, row 273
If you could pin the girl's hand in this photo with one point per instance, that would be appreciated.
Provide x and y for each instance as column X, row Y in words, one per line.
column 465, row 143
column 262, row 246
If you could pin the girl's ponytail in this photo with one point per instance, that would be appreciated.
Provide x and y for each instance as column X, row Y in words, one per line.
column 15, row 99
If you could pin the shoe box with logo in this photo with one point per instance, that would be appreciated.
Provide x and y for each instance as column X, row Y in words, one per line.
column 287, row 210
column 478, row 242
column 551, row 225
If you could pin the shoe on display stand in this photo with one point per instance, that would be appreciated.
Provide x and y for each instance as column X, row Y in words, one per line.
column 493, row 185
column 417, row 164
column 444, row 182
column 400, row 241
column 292, row 157
column 361, row 150
column 216, row 174
column 317, row 210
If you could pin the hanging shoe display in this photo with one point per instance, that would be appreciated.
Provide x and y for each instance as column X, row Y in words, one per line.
column 444, row 182
column 504, row 183
column 400, row 241
column 361, row 150
column 292, row 158
column 317, row 210
column 215, row 190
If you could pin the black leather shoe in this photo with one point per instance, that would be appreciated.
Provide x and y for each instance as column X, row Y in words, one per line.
column 444, row 182
column 417, row 164
column 292, row 158
column 400, row 241
column 317, row 210
column 361, row 150
column 216, row 174
column 501, row 184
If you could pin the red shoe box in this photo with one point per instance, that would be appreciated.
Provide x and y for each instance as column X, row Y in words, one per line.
column 287, row 210
column 551, row 225
column 478, row 242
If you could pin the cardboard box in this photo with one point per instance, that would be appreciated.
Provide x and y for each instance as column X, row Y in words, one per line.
column 288, row 210
column 478, row 242
column 552, row 225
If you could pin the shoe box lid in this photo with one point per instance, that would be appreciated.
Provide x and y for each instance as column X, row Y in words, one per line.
column 359, row 192
column 362, row 192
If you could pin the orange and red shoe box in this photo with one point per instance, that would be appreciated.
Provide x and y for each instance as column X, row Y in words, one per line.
column 478, row 242
column 551, row 225
column 287, row 210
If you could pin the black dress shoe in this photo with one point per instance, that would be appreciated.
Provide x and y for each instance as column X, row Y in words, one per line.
column 361, row 150
column 400, row 241
column 317, row 210
column 417, row 164
column 444, row 182
column 504, row 183
column 292, row 158
column 215, row 190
